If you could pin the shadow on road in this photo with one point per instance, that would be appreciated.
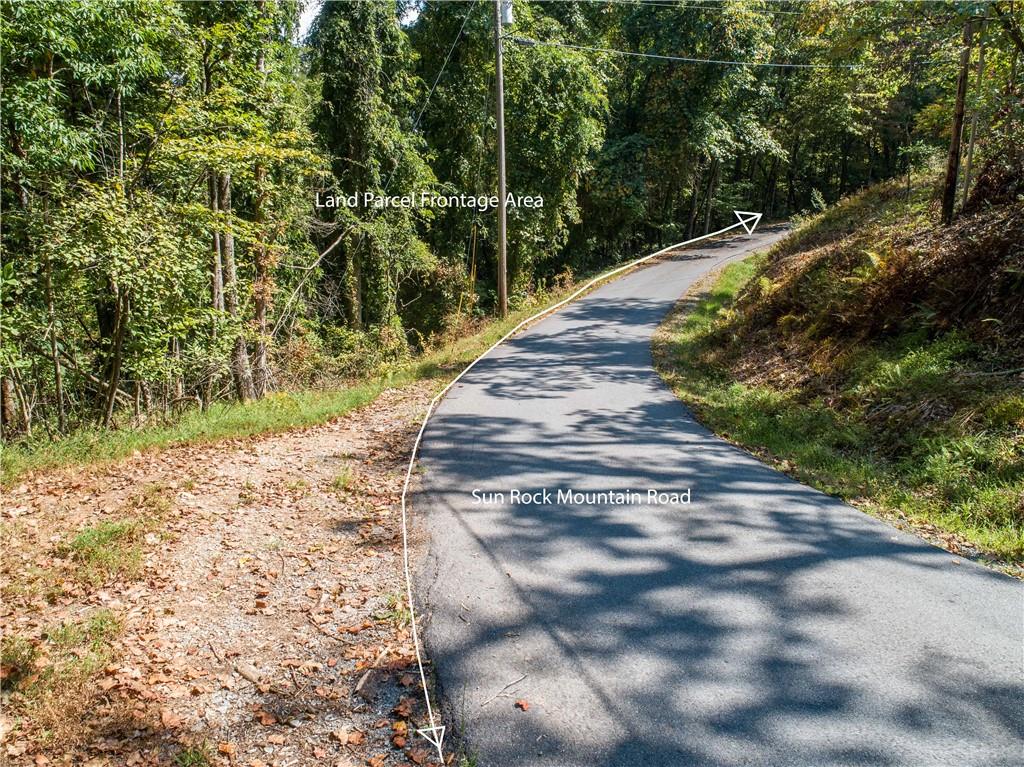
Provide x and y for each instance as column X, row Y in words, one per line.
column 764, row 623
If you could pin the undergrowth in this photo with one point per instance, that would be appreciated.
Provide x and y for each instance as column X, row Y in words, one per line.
column 277, row 412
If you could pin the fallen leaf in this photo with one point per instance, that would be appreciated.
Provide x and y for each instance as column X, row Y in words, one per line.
column 228, row 749
column 266, row 718
column 404, row 708
column 169, row 719
column 356, row 737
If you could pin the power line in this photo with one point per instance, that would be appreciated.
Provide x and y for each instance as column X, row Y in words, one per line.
column 686, row 59
column 691, row 6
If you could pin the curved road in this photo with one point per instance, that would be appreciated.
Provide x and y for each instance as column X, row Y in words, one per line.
column 763, row 623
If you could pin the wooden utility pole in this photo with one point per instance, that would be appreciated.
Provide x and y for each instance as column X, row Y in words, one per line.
column 500, row 112
column 953, row 161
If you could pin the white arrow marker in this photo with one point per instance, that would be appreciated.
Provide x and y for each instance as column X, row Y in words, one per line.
column 748, row 220
column 435, row 732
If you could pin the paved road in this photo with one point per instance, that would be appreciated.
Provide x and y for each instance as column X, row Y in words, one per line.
column 764, row 623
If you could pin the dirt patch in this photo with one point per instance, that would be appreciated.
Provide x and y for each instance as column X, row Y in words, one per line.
column 259, row 618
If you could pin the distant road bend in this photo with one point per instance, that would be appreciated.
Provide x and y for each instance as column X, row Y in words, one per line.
column 764, row 623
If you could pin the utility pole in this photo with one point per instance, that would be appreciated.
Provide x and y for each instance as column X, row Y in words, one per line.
column 500, row 80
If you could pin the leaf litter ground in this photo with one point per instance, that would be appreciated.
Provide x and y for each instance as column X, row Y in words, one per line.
column 257, row 603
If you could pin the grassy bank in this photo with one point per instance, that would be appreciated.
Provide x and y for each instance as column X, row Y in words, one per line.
column 876, row 358
column 277, row 412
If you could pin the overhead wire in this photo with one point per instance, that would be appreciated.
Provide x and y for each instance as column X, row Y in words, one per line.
column 686, row 59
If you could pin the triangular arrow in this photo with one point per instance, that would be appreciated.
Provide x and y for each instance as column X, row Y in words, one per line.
column 748, row 220
column 436, row 736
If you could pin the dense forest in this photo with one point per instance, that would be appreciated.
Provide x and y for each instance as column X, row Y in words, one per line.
column 162, row 248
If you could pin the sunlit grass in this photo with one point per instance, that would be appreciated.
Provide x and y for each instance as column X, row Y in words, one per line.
column 51, row 681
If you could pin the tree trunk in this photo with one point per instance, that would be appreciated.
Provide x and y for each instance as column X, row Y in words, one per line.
column 23, row 403
column 179, row 383
column 844, row 164
column 58, row 375
column 694, row 201
column 974, row 117
column 791, row 177
column 953, row 161
column 262, row 289
column 8, row 408
column 216, row 267
column 712, row 188
column 768, row 207
column 240, row 370
column 116, row 358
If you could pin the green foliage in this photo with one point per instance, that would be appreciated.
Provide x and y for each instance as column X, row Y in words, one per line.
column 159, row 162
column 363, row 61
column 276, row 412
column 555, row 105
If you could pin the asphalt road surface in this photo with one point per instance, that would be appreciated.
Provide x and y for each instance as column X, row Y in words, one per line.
column 763, row 623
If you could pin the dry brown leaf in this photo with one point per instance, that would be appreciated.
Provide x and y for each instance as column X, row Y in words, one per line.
column 404, row 708
column 417, row 755
column 169, row 719
column 265, row 718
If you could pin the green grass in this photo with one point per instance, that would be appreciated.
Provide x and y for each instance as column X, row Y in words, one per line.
column 275, row 413
column 396, row 610
column 194, row 756
column 112, row 548
column 106, row 550
column 904, row 431
column 51, row 682
column 342, row 478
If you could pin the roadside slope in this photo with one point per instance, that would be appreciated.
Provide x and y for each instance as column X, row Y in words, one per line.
column 878, row 357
